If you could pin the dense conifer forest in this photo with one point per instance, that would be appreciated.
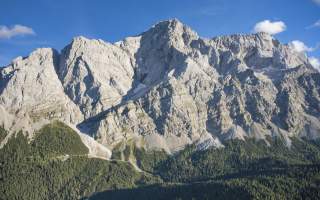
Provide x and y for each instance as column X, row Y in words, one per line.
column 54, row 165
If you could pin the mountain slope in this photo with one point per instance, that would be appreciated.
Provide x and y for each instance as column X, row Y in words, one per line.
column 167, row 88
column 55, row 165
column 32, row 92
column 188, row 89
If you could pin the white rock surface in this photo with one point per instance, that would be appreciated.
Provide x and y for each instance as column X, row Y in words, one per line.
column 168, row 86
column 95, row 74
column 33, row 94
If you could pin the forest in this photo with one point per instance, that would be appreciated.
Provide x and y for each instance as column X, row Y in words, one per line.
column 54, row 165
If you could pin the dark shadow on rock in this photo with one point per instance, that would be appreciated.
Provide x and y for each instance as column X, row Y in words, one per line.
column 155, row 58
column 4, row 79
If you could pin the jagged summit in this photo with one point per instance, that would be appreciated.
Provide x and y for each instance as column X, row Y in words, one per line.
column 172, row 28
column 166, row 88
column 81, row 40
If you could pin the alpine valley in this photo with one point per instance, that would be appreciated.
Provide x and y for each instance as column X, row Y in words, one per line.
column 162, row 115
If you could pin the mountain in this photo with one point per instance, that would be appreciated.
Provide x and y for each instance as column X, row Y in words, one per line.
column 166, row 88
column 162, row 115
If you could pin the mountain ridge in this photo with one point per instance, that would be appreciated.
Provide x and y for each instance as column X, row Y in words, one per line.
column 167, row 87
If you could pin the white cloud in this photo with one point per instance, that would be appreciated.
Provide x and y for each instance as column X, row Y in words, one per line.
column 270, row 27
column 314, row 25
column 300, row 46
column 7, row 33
column 315, row 62
column 316, row 1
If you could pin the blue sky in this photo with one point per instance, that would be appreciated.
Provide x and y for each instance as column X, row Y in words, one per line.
column 53, row 23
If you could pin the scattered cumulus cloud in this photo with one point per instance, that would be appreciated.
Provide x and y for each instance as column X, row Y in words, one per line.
column 9, row 32
column 315, row 62
column 316, row 1
column 270, row 27
column 314, row 25
column 300, row 46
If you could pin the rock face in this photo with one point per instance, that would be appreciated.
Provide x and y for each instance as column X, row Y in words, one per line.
column 32, row 92
column 168, row 88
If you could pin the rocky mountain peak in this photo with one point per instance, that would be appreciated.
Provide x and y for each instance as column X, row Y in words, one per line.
column 172, row 27
column 80, row 41
column 167, row 87
column 172, row 32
